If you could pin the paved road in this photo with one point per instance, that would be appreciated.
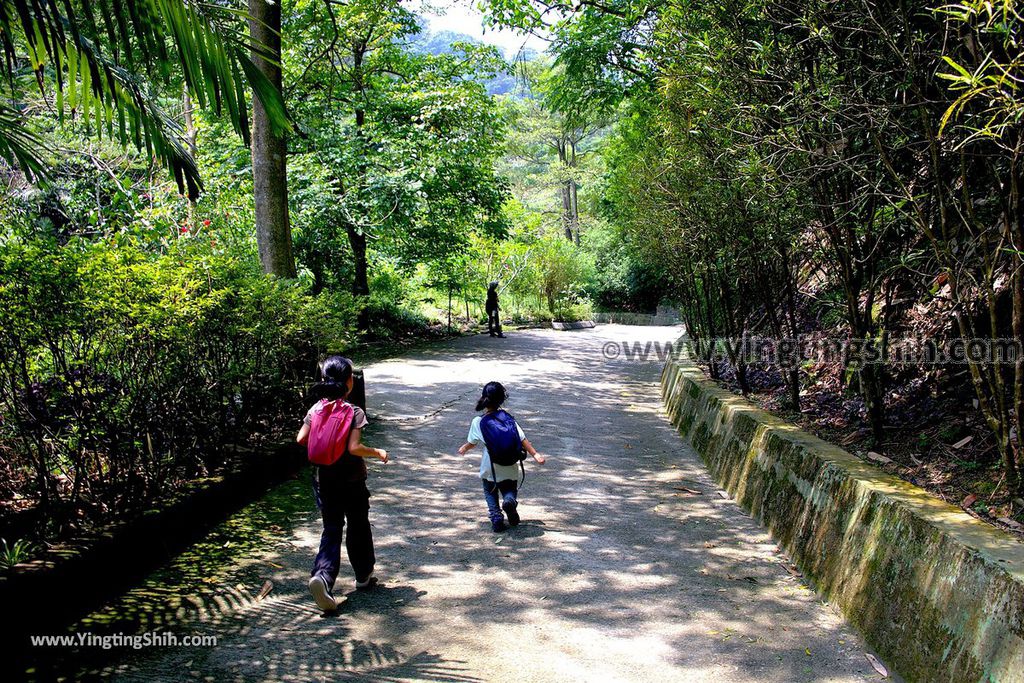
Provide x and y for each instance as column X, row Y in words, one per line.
column 616, row 574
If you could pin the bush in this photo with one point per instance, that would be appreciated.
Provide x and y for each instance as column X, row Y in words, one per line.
column 528, row 315
column 124, row 374
column 572, row 313
column 390, row 321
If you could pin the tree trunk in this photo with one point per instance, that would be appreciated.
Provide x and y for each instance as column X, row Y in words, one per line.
column 565, row 189
column 269, row 150
column 871, row 388
column 449, row 309
column 566, row 192
column 574, row 211
column 190, row 125
column 357, row 238
column 360, row 280
column 190, row 140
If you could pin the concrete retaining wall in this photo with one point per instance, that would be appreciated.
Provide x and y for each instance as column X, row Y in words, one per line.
column 939, row 594
column 579, row 325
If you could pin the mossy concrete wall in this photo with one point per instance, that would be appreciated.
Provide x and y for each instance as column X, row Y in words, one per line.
column 939, row 594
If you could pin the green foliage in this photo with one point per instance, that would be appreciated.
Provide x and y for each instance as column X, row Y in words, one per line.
column 126, row 373
column 97, row 65
column 622, row 279
column 563, row 270
column 400, row 148
column 14, row 553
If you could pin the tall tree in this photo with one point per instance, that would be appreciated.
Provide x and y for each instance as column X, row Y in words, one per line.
column 556, row 134
column 405, row 142
column 270, row 148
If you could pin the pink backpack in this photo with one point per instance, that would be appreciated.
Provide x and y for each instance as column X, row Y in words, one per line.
column 329, row 428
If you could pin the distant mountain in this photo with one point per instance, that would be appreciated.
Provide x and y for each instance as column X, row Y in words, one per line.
column 440, row 43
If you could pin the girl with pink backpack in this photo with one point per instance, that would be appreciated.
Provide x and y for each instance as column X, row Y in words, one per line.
column 331, row 432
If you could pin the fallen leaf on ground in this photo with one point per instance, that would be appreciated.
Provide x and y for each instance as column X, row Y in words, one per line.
column 792, row 570
column 275, row 565
column 723, row 494
column 265, row 590
column 686, row 490
column 1012, row 523
column 879, row 458
column 968, row 501
column 807, row 651
column 878, row 666
column 963, row 442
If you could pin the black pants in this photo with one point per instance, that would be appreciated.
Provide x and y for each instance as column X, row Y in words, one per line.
column 493, row 322
column 341, row 500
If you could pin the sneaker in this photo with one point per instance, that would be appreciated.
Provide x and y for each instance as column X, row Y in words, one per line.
column 322, row 594
column 367, row 584
column 498, row 527
column 511, row 512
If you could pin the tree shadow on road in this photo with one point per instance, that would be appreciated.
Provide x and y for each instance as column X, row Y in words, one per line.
column 617, row 566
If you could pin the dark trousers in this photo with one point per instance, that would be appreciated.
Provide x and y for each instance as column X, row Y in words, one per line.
column 507, row 490
column 493, row 322
column 340, row 501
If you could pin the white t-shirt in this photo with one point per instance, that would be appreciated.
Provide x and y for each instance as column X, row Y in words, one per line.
column 503, row 471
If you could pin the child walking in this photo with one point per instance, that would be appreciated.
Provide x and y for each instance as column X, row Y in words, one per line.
column 331, row 431
column 497, row 430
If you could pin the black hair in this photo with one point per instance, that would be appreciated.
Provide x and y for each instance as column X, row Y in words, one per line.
column 335, row 372
column 492, row 396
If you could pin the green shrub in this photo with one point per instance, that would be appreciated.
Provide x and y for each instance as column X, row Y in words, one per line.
column 124, row 373
column 14, row 553
column 390, row 321
column 576, row 312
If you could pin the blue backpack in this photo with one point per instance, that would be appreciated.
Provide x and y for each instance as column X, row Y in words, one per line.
column 503, row 443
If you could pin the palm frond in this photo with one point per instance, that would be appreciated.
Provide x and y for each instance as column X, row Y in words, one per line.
column 19, row 146
column 99, row 54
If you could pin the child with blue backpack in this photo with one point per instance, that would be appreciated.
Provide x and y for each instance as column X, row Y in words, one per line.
column 332, row 432
column 505, row 446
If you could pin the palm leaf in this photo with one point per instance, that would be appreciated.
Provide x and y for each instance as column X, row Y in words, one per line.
column 104, row 59
column 18, row 146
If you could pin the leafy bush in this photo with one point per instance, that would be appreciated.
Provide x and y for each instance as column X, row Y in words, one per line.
column 14, row 553
column 576, row 312
column 390, row 321
column 563, row 270
column 527, row 315
column 125, row 373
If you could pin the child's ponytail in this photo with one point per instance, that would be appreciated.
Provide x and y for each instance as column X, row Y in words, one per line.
column 335, row 371
column 492, row 396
